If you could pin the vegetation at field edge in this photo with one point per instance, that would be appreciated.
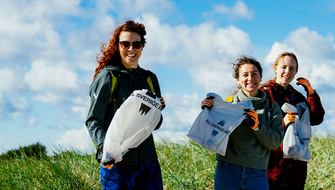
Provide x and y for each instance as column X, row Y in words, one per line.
column 184, row 166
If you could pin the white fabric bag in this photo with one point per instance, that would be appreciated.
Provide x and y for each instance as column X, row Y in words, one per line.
column 212, row 127
column 298, row 134
column 133, row 122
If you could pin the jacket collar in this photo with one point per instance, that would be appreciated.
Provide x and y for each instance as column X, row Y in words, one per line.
column 257, row 100
column 276, row 87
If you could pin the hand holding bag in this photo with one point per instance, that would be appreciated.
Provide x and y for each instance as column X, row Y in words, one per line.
column 212, row 127
column 298, row 134
column 133, row 122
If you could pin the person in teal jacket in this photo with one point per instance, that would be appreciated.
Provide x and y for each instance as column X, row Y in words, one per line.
column 245, row 162
column 139, row 168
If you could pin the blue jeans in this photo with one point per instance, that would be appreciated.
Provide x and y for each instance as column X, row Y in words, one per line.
column 146, row 176
column 231, row 176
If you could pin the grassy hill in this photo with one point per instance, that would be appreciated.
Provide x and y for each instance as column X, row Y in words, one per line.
column 184, row 166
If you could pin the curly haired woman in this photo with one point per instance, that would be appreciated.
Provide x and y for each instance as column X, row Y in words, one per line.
column 139, row 168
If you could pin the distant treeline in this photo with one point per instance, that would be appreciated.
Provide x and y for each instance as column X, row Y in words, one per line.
column 32, row 151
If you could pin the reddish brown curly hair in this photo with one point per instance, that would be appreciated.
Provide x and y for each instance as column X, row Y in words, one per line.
column 111, row 54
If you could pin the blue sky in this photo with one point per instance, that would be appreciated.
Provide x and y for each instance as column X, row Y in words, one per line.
column 48, row 50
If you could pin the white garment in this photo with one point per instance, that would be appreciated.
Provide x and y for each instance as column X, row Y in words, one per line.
column 133, row 122
column 212, row 127
column 298, row 134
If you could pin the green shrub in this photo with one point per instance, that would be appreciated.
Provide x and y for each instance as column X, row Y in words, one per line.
column 32, row 151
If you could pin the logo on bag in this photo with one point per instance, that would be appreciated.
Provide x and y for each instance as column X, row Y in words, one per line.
column 218, row 126
column 144, row 109
column 222, row 122
column 214, row 133
column 147, row 98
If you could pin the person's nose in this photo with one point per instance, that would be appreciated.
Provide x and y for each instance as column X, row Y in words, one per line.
column 130, row 46
column 287, row 70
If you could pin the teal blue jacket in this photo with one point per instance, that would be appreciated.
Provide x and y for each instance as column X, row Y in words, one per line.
column 102, row 111
column 250, row 148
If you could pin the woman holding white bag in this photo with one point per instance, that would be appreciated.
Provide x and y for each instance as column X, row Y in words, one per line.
column 248, row 150
column 139, row 168
column 286, row 173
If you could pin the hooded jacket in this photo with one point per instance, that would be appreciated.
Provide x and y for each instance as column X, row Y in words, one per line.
column 250, row 148
column 102, row 110
column 288, row 172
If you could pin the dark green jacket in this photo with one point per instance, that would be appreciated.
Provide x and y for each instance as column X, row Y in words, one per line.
column 101, row 111
column 250, row 148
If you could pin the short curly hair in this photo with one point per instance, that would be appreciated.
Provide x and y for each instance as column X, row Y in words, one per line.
column 245, row 60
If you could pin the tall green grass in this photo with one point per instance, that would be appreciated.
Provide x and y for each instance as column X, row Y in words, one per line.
column 184, row 166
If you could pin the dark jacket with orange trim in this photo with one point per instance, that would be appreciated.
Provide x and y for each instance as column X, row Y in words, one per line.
column 288, row 172
column 101, row 110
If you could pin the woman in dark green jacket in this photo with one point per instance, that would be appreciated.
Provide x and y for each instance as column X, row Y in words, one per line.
column 116, row 77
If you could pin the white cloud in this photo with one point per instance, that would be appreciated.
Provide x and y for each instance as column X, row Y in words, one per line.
column 218, row 81
column 81, row 107
column 316, row 55
column 204, row 50
column 17, row 115
column 24, row 36
column 180, row 112
column 188, row 47
column 316, row 64
column 21, row 104
column 239, row 11
column 41, row 29
column 82, row 101
column 48, row 98
column 75, row 139
column 21, row 107
column 10, row 80
column 13, row 107
column 81, row 111
column 32, row 122
column 47, row 76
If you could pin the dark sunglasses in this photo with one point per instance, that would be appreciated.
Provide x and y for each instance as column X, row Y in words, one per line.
column 136, row 45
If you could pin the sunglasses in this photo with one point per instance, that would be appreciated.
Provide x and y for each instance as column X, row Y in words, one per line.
column 136, row 45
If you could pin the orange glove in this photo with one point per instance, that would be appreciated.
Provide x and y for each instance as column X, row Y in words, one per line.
column 253, row 118
column 162, row 102
column 305, row 83
column 289, row 118
column 108, row 164
column 207, row 102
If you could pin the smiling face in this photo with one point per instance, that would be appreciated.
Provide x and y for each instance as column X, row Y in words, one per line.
column 285, row 71
column 249, row 79
column 130, row 55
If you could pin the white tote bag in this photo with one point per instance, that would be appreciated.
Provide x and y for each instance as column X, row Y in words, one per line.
column 212, row 127
column 298, row 134
column 133, row 122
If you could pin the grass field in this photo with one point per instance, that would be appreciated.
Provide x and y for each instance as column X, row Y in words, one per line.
column 184, row 166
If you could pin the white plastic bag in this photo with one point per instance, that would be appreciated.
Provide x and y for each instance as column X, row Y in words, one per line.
column 212, row 127
column 133, row 122
column 298, row 134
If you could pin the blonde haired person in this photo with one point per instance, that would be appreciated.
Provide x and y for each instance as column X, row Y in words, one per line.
column 288, row 173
